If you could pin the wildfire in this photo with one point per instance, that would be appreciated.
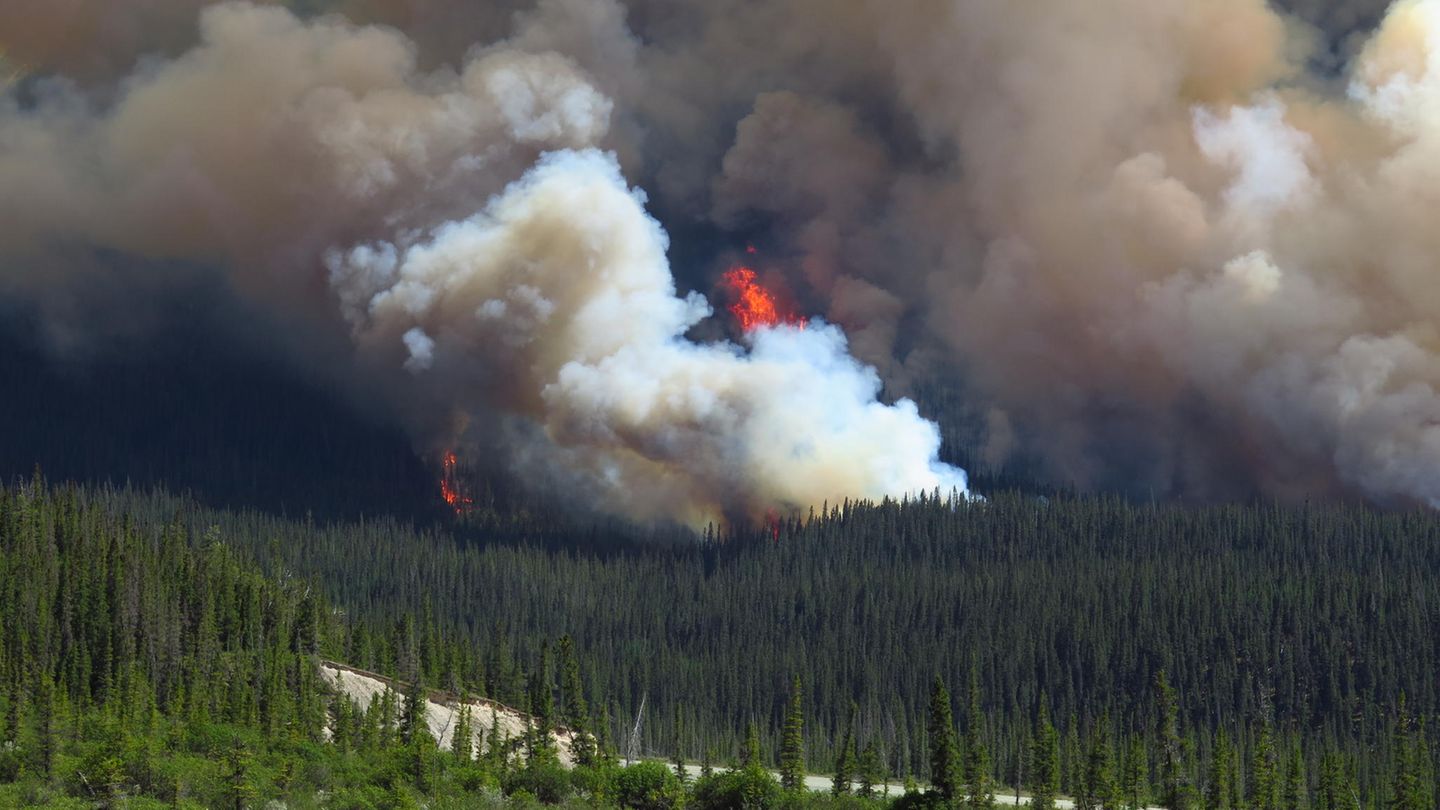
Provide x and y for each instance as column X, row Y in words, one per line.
column 450, row 484
column 754, row 305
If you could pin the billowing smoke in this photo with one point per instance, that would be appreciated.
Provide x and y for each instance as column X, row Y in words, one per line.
column 488, row 261
column 1162, row 246
column 558, row 300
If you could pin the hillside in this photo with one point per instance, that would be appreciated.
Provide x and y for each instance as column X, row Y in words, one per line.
column 489, row 719
column 162, row 618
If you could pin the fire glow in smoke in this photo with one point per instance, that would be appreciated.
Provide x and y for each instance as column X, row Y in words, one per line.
column 560, row 287
column 451, row 488
column 1153, row 248
column 753, row 305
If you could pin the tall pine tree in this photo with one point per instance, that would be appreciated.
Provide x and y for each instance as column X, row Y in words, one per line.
column 792, row 747
column 944, row 759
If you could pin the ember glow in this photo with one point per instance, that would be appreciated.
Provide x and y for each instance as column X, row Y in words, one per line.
column 754, row 306
column 450, row 484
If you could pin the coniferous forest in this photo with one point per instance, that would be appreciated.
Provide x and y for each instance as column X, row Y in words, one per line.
column 160, row 653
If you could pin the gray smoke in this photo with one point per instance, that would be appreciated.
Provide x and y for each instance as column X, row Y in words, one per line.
column 1173, row 246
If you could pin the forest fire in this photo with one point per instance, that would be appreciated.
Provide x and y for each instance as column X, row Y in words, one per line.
column 450, row 484
column 754, row 306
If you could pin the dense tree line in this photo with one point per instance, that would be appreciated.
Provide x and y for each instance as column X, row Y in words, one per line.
column 141, row 666
column 1292, row 630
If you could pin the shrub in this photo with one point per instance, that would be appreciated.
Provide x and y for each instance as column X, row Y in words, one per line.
column 649, row 786
column 752, row 788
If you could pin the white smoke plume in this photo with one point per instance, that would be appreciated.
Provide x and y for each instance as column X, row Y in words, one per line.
column 1166, row 246
column 558, row 295
column 552, row 311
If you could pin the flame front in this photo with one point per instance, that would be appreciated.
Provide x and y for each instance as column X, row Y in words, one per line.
column 754, row 305
column 450, row 484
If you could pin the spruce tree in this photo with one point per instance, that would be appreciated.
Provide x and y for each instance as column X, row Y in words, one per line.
column 1101, row 788
column 238, row 790
column 412, row 718
column 45, row 722
column 542, row 696
column 1408, row 790
column 1174, row 787
column 868, row 770
column 1294, row 797
column 386, row 718
column 707, row 768
column 792, row 748
column 979, row 784
column 1135, row 782
column 342, row 722
column 462, row 742
column 1218, row 788
column 750, row 757
column 845, row 760
column 571, row 689
column 678, row 752
column 494, row 744
column 1044, row 760
column 1264, row 781
column 944, row 759
column 583, row 745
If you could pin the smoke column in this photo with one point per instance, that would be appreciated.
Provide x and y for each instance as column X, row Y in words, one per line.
column 1162, row 246
column 560, row 290
column 551, row 312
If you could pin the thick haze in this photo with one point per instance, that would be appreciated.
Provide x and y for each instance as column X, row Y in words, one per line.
column 1163, row 245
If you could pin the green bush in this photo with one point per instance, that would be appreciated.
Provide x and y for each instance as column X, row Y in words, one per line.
column 649, row 786
column 929, row 800
column 473, row 778
column 752, row 788
column 596, row 782
column 368, row 797
column 547, row 781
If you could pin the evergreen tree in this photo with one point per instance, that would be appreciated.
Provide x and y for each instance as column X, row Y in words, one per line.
column 1044, row 760
column 1410, row 763
column 1174, row 786
column 462, row 742
column 571, row 689
column 238, row 788
column 750, row 757
column 869, row 770
column 792, row 748
column 539, row 743
column 944, row 759
column 494, row 742
column 385, row 720
column 1264, row 781
column 45, row 722
column 1336, row 790
column 342, row 722
column 585, row 746
column 845, row 760
column 1218, row 788
column 707, row 768
column 1100, row 787
column 412, row 719
column 1135, row 782
column 979, row 785
column 603, row 747
column 678, row 758
column 1294, row 796
column 542, row 696
column 1072, row 760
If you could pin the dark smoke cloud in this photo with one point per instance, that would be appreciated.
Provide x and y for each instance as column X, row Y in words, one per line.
column 1179, row 247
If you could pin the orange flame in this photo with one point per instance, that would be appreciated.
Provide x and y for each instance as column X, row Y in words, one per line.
column 754, row 305
column 450, row 484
